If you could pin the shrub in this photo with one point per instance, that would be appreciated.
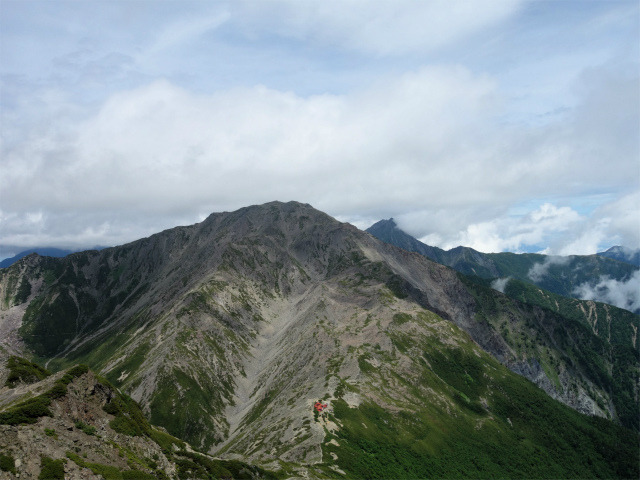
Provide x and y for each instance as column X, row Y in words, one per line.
column 51, row 469
column 107, row 471
column 88, row 429
column 126, row 426
column 29, row 411
column 26, row 412
column 22, row 370
column 7, row 464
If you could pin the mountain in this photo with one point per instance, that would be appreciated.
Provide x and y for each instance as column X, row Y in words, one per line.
column 623, row 254
column 45, row 251
column 568, row 276
column 74, row 424
column 463, row 259
column 229, row 331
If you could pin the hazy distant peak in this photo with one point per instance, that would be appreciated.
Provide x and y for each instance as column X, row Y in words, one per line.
column 623, row 254
column 43, row 251
column 383, row 224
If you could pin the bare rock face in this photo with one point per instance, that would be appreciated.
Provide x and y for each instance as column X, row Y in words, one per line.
column 228, row 331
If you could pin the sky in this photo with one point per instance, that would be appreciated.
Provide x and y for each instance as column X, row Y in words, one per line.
column 502, row 125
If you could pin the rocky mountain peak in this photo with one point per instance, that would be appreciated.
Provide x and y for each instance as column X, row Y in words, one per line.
column 228, row 332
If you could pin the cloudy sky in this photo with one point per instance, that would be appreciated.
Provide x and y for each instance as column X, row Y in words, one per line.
column 504, row 125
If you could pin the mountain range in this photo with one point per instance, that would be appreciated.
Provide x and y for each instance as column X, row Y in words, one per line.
column 228, row 332
column 622, row 254
column 44, row 251
column 568, row 276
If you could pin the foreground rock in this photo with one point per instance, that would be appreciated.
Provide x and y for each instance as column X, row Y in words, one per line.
column 59, row 427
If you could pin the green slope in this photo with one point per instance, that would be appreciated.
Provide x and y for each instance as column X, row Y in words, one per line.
column 483, row 422
column 567, row 335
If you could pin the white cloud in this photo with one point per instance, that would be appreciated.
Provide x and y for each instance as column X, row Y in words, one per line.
column 377, row 27
column 186, row 29
column 507, row 232
column 622, row 218
column 623, row 294
column 539, row 270
column 128, row 120
column 161, row 150
column 500, row 284
column 560, row 229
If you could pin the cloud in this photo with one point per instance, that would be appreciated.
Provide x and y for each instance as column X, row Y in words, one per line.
column 623, row 294
column 539, row 270
column 377, row 28
column 500, row 284
column 562, row 230
column 505, row 232
column 170, row 114
column 162, row 151
column 621, row 216
column 186, row 29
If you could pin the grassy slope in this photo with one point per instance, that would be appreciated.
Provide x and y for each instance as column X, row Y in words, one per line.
column 128, row 420
column 486, row 422
column 562, row 333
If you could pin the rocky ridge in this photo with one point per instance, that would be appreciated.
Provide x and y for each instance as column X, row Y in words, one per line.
column 78, row 438
column 230, row 330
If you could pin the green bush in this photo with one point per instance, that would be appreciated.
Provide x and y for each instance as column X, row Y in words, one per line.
column 165, row 440
column 194, row 465
column 126, row 426
column 51, row 469
column 7, row 464
column 26, row 412
column 23, row 292
column 22, row 370
column 107, row 471
column 77, row 371
column 58, row 390
column 29, row 411
column 88, row 429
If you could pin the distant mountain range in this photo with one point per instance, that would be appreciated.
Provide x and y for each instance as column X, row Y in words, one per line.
column 230, row 330
column 43, row 251
column 623, row 254
column 569, row 276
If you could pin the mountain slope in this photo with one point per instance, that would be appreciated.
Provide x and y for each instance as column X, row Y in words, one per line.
column 559, row 275
column 230, row 330
column 75, row 424
column 623, row 254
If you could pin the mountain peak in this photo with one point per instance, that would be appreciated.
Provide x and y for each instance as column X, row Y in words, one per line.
column 229, row 331
column 623, row 254
column 390, row 223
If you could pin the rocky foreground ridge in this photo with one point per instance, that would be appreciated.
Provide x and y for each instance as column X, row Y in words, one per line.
column 229, row 331
column 75, row 424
